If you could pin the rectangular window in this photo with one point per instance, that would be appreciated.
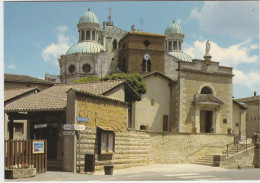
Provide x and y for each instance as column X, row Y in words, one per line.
column 165, row 123
column 93, row 35
column 152, row 102
column 107, row 142
column 82, row 35
column 175, row 45
column 18, row 127
column 179, row 45
column 88, row 35
column 170, row 45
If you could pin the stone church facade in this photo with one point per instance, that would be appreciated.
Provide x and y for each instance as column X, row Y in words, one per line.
column 201, row 94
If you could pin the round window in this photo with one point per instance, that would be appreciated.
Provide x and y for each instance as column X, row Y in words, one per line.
column 86, row 68
column 72, row 68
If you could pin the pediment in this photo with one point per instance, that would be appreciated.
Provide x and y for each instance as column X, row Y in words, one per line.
column 207, row 99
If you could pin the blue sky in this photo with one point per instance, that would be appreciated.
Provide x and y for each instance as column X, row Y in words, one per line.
column 37, row 33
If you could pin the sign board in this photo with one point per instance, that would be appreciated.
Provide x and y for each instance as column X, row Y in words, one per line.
column 38, row 146
column 40, row 126
column 68, row 133
column 81, row 119
column 74, row 127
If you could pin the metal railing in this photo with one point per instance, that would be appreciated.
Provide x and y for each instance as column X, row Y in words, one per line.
column 235, row 146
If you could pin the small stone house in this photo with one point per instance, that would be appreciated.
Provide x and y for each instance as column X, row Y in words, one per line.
column 19, row 126
column 252, row 114
column 105, row 104
column 14, row 81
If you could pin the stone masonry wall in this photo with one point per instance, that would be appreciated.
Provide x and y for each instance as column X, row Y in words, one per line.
column 243, row 159
column 101, row 112
column 191, row 84
column 131, row 149
column 137, row 148
column 185, row 148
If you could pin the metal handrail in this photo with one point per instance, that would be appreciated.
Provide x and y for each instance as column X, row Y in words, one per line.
column 236, row 144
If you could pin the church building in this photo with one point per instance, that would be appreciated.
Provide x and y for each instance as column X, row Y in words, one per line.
column 200, row 92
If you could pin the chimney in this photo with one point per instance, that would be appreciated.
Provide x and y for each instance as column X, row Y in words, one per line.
column 254, row 93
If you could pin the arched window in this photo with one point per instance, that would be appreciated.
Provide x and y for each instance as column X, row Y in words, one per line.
column 146, row 66
column 206, row 90
column 114, row 44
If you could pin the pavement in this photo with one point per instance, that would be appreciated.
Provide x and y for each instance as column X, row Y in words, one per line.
column 153, row 172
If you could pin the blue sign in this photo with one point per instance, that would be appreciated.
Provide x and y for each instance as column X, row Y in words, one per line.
column 81, row 119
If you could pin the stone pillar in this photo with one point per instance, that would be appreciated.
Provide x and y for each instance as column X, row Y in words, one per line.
column 70, row 142
column 217, row 120
column 197, row 119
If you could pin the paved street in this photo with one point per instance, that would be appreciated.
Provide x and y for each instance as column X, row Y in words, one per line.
column 155, row 172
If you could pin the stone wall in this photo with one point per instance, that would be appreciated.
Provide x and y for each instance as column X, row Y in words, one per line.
column 192, row 80
column 243, row 159
column 137, row 148
column 131, row 149
column 102, row 112
column 185, row 148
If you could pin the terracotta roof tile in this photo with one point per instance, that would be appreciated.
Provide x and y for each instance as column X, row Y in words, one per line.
column 55, row 98
column 24, row 79
column 248, row 99
column 12, row 93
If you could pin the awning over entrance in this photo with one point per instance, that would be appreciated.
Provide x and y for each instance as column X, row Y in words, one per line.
column 207, row 101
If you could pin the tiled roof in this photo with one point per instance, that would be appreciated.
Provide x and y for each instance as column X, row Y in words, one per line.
column 145, row 33
column 113, row 29
column 12, row 93
column 158, row 73
column 248, row 99
column 240, row 105
column 24, row 79
column 55, row 98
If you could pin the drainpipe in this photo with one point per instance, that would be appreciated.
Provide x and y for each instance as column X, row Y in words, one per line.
column 240, row 125
column 170, row 115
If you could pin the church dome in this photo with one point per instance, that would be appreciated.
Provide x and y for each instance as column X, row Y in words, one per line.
column 181, row 55
column 86, row 47
column 88, row 17
column 173, row 28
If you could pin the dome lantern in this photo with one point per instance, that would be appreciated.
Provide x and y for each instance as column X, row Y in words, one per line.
column 88, row 27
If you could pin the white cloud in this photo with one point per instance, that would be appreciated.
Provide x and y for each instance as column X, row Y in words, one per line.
column 178, row 21
column 11, row 66
column 250, row 80
column 236, row 18
column 230, row 56
column 62, row 28
column 52, row 52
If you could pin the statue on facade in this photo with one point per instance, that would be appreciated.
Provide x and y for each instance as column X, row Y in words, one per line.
column 207, row 56
column 207, row 47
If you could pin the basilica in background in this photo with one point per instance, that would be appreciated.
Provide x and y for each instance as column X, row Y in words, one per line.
column 184, row 94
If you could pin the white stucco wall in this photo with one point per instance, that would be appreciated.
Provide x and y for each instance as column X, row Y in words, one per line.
column 152, row 115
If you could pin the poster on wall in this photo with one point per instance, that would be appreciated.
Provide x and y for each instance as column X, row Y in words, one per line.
column 38, row 146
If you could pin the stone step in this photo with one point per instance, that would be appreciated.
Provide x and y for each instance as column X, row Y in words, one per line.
column 204, row 163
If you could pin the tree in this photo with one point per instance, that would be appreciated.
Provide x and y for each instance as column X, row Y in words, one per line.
column 87, row 79
column 135, row 80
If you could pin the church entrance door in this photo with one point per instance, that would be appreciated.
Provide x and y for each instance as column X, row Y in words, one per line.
column 205, row 121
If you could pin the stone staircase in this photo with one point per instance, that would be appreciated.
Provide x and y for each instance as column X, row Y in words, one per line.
column 233, row 149
column 205, row 160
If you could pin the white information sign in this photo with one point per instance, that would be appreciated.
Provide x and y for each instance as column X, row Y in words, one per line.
column 74, row 127
column 68, row 132
column 40, row 126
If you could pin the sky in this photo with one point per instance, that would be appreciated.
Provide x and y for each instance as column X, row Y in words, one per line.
column 37, row 33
